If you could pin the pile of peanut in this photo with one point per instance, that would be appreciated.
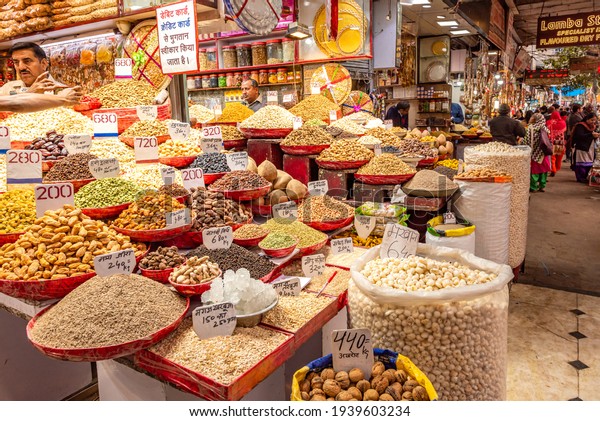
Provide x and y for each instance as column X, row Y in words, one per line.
column 60, row 244
column 384, row 385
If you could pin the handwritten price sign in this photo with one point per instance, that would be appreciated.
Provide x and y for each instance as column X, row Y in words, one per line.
column 4, row 138
column 286, row 210
column 23, row 167
column 288, row 288
column 318, row 188
column 105, row 125
column 272, row 98
column 214, row 320
column 313, row 265
column 114, row 263
column 123, row 68
column 212, row 139
column 352, row 348
column 237, row 161
column 342, row 245
column 217, row 238
column 104, row 168
column 168, row 175
column 398, row 242
column 178, row 218
column 179, row 131
column 364, row 225
column 147, row 112
column 78, row 143
column 297, row 122
column 52, row 197
column 193, row 178
column 146, row 150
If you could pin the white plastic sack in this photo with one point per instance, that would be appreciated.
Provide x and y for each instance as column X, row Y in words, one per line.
column 464, row 242
column 457, row 336
column 487, row 206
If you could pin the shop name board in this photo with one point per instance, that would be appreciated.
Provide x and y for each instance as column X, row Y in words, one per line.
column 547, row 74
column 568, row 30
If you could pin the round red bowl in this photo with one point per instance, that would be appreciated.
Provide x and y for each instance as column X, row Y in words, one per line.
column 177, row 161
column 314, row 248
column 10, row 237
column 427, row 162
column 182, row 199
column 104, row 352
column 249, row 242
column 219, row 123
column 235, row 143
column 341, row 165
column 247, row 194
column 281, row 252
column 129, row 140
column 304, row 149
column 211, row 178
column 329, row 225
column 105, row 213
column 187, row 240
column 383, row 179
column 43, row 289
column 192, row 290
column 153, row 236
column 77, row 184
column 161, row 276
column 265, row 133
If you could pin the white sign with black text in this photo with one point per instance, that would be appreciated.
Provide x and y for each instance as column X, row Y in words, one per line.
column 398, row 242
column 213, row 320
column 341, row 245
column 104, row 168
column 122, row 261
column 288, row 288
column 313, row 265
column 217, row 238
column 352, row 348
column 53, row 197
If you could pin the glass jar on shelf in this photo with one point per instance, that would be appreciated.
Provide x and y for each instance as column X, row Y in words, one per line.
column 238, row 79
column 190, row 82
column 254, row 75
column 244, row 56
column 211, row 59
column 230, row 80
column 202, row 59
column 197, row 82
column 222, row 80
column 274, row 52
column 288, row 47
column 229, row 57
column 214, row 81
column 245, row 76
column 259, row 53
column 263, row 77
column 298, row 76
column 272, row 76
column 290, row 76
column 205, row 82
column 281, row 75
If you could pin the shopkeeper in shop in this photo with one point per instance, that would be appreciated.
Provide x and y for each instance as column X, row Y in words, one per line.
column 250, row 95
column 399, row 114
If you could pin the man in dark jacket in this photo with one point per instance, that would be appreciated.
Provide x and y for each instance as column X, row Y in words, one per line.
column 575, row 117
column 399, row 114
column 506, row 129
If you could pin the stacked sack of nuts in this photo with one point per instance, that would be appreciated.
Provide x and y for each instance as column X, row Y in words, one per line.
column 447, row 311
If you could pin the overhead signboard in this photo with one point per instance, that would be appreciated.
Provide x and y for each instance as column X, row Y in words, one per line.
column 568, row 30
column 546, row 77
column 584, row 64
column 177, row 37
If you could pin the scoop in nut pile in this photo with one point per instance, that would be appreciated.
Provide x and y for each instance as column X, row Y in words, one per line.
column 60, row 244
column 148, row 213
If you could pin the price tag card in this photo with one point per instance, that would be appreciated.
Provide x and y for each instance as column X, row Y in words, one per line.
column 315, row 88
column 123, row 68
column 287, row 98
column 168, row 175
column 286, row 210
column 377, row 149
column 297, row 122
column 288, row 287
column 23, row 167
column 272, row 97
column 449, row 218
column 332, row 116
column 364, row 225
column 193, row 178
column 342, row 245
column 237, row 161
column 78, row 143
column 105, row 125
column 52, row 197
column 214, row 320
column 398, row 242
column 212, row 139
column 313, row 265
column 104, row 168
column 147, row 112
column 4, row 138
column 114, row 263
column 178, row 218
column 388, row 124
column 217, row 238
column 352, row 348
column 179, row 131
column 146, row 150
column 318, row 188
column 217, row 110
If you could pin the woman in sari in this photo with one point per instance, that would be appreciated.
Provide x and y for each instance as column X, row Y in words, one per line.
column 583, row 139
column 540, row 162
column 557, row 127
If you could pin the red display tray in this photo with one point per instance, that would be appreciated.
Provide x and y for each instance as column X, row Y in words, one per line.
column 105, row 352
column 43, row 289
column 427, row 162
column 304, row 149
column 330, row 225
column 383, row 179
column 211, row 178
column 209, row 389
column 311, row 249
column 235, row 143
column 265, row 133
column 10, row 238
column 192, row 290
column 161, row 276
column 219, row 123
column 182, row 199
column 249, row 242
column 187, row 240
column 247, row 194
column 129, row 140
column 153, row 236
column 341, row 165
column 273, row 274
column 282, row 252
column 105, row 213
column 177, row 161
column 77, row 184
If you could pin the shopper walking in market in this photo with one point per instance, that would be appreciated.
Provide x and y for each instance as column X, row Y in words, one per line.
column 575, row 117
column 504, row 128
column 557, row 127
column 536, row 137
column 584, row 142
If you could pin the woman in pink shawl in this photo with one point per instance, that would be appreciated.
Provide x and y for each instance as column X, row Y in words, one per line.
column 557, row 127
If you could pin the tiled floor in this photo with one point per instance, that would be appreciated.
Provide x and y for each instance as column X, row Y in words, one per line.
column 544, row 349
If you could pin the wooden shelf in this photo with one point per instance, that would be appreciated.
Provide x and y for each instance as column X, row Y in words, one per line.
column 239, row 88
column 245, row 69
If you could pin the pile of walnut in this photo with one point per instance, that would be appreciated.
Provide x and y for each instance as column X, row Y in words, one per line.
column 384, row 385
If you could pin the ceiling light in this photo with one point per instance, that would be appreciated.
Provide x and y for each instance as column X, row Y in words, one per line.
column 297, row 31
column 426, row 6
column 460, row 32
column 447, row 23
column 422, row 2
column 406, row 2
column 500, row 82
column 493, row 53
column 454, row 27
column 440, row 17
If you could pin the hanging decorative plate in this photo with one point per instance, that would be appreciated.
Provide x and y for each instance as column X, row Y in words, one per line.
column 334, row 80
column 357, row 101
column 351, row 35
column 141, row 46
column 436, row 72
column 439, row 48
column 255, row 16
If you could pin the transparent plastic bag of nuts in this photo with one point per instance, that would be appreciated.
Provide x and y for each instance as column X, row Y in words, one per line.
column 456, row 336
